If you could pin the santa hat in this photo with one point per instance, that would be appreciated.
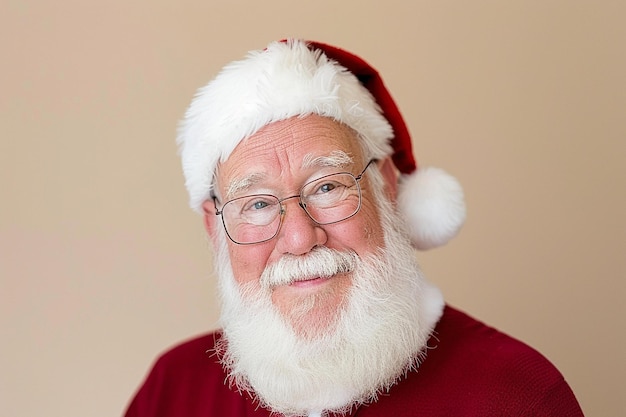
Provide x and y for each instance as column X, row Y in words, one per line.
column 295, row 78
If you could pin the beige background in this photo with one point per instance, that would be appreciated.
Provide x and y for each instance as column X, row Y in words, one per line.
column 102, row 264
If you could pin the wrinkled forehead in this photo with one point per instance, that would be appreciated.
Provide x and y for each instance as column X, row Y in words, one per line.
column 288, row 147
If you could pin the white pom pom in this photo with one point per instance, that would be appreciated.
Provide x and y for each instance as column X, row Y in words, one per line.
column 432, row 202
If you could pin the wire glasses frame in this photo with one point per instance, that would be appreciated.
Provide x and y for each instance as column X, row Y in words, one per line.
column 326, row 200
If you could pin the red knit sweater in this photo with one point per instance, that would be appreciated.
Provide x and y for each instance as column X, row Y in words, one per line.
column 474, row 370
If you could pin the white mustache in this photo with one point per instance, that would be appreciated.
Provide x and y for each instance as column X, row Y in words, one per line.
column 321, row 262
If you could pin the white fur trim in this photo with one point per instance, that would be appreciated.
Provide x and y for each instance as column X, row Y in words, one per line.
column 286, row 79
column 432, row 202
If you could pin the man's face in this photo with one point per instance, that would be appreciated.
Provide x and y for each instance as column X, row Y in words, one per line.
column 279, row 160
column 310, row 335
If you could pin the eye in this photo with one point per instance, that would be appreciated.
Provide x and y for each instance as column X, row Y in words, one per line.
column 259, row 205
column 256, row 204
column 327, row 187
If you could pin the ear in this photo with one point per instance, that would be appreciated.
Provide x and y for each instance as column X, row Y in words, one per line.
column 210, row 219
column 390, row 176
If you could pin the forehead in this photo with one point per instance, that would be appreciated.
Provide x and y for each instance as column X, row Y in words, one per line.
column 286, row 146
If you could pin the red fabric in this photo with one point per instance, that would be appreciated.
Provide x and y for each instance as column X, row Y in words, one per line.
column 471, row 370
column 402, row 156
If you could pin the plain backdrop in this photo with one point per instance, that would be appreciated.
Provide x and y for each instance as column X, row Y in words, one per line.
column 103, row 265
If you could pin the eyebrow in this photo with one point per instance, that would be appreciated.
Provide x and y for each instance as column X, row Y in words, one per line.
column 237, row 185
column 336, row 159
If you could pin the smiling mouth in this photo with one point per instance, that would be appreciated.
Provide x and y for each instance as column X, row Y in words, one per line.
column 309, row 282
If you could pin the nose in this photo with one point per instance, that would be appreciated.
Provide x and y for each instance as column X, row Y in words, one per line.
column 298, row 233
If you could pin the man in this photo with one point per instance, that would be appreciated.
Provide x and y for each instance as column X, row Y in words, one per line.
column 302, row 166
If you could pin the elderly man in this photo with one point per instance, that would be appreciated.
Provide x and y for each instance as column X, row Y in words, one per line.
column 303, row 169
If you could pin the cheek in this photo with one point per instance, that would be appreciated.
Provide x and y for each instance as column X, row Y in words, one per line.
column 362, row 233
column 248, row 262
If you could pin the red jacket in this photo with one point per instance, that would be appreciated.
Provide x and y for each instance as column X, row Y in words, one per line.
column 473, row 370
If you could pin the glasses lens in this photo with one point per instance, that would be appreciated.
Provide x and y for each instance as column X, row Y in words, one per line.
column 252, row 219
column 332, row 198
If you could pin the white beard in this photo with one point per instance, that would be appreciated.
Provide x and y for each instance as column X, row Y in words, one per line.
column 372, row 340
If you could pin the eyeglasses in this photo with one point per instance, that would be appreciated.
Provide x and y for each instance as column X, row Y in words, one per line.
column 326, row 200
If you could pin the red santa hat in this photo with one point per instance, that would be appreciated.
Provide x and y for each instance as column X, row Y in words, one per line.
column 295, row 78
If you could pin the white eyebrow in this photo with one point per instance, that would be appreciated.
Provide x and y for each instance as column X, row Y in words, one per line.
column 238, row 185
column 336, row 159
